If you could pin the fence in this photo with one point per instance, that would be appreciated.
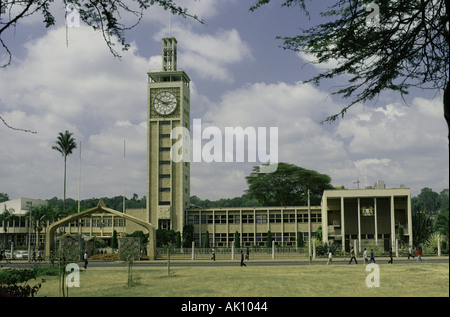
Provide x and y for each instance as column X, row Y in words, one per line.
column 318, row 250
column 259, row 253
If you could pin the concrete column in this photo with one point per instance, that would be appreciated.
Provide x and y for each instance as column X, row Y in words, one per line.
column 241, row 229
column 408, row 212
column 324, row 211
column 342, row 224
column 375, row 219
column 396, row 248
column 199, row 226
column 232, row 251
column 439, row 246
column 254, row 227
column 214, row 228
column 359, row 224
column 392, row 222
column 314, row 249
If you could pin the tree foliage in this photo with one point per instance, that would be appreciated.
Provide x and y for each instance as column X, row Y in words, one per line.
column 378, row 45
column 15, row 282
column 65, row 144
column 104, row 16
column 288, row 186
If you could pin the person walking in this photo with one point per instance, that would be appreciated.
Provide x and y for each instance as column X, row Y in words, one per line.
column 242, row 258
column 352, row 253
column 419, row 255
column 213, row 255
column 390, row 256
column 247, row 254
column 372, row 256
column 330, row 258
column 85, row 259
column 365, row 256
column 410, row 253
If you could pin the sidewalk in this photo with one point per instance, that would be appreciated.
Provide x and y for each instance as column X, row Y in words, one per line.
column 317, row 260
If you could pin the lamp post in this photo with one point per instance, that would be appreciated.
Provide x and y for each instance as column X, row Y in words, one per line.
column 29, row 205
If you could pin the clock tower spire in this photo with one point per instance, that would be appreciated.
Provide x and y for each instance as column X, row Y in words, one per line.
column 169, row 54
column 168, row 182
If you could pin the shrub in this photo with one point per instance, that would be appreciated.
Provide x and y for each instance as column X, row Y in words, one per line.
column 11, row 278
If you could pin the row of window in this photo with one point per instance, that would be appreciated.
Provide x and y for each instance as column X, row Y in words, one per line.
column 86, row 222
column 250, row 218
column 249, row 239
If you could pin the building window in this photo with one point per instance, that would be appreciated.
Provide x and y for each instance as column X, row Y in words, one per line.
column 275, row 218
column 247, row 218
column 289, row 218
column 234, row 219
column 164, row 224
column 262, row 218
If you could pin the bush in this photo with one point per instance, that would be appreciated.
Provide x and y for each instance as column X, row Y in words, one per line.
column 9, row 280
column 106, row 257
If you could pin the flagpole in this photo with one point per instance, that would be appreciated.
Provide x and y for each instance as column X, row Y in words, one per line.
column 309, row 229
column 124, row 169
column 79, row 180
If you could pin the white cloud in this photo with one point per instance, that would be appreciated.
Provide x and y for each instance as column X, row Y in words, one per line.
column 83, row 89
column 208, row 55
column 396, row 144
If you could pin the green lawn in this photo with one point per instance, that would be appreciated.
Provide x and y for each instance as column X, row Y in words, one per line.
column 421, row 279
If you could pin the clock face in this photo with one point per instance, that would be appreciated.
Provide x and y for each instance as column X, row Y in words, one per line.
column 165, row 103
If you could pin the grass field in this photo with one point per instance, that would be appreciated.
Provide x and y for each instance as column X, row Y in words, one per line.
column 398, row 280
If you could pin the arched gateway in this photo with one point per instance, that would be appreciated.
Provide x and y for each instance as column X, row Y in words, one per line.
column 50, row 232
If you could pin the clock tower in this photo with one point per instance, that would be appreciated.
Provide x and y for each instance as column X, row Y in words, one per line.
column 168, row 186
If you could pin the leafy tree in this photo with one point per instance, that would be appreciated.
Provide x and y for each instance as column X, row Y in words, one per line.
column 318, row 234
column 237, row 240
column 421, row 226
column 269, row 239
column 243, row 201
column 15, row 282
column 206, row 242
column 381, row 45
column 104, row 16
column 188, row 236
column 114, row 240
column 3, row 197
column 164, row 237
column 442, row 223
column 300, row 241
column 287, row 186
column 65, row 144
column 444, row 199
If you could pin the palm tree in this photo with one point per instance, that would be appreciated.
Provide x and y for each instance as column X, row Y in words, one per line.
column 65, row 144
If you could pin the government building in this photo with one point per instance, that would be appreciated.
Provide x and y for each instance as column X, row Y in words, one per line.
column 368, row 216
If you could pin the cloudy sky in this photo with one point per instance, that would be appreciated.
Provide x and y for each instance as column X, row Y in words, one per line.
column 240, row 77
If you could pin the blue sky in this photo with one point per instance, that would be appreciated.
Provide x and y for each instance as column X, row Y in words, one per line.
column 240, row 77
